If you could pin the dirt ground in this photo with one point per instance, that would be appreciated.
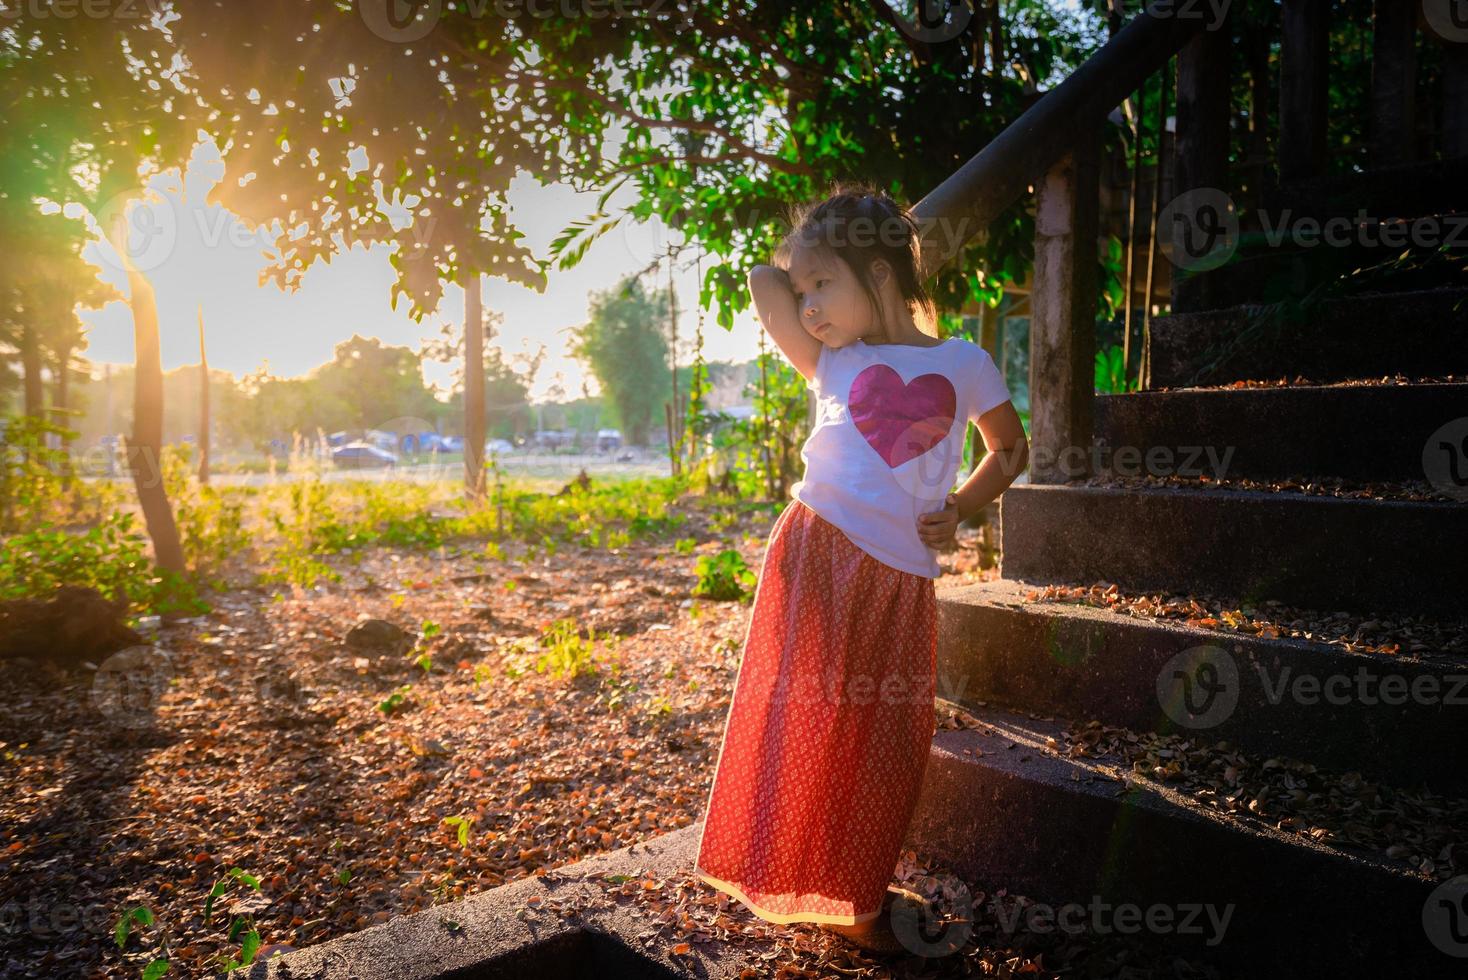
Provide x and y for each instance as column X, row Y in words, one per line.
column 262, row 746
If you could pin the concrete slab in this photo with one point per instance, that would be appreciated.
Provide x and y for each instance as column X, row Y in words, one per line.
column 1338, row 340
column 1312, row 701
column 1357, row 432
column 1068, row 831
column 482, row 937
column 1327, row 553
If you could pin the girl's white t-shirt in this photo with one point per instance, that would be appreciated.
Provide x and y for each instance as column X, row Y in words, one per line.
column 888, row 439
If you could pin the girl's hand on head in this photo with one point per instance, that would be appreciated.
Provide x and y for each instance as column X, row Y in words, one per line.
column 939, row 528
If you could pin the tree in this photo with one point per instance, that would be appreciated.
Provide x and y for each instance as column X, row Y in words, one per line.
column 41, row 285
column 504, row 404
column 724, row 114
column 368, row 383
column 473, row 391
column 624, row 345
column 204, row 421
column 86, row 101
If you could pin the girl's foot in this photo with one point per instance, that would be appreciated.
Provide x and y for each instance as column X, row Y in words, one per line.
column 876, row 934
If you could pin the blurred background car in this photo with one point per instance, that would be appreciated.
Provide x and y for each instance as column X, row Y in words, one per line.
column 608, row 440
column 361, row 456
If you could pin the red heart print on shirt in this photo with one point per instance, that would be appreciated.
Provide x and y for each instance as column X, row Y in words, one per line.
column 901, row 422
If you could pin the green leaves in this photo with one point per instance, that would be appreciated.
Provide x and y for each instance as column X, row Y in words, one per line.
column 1111, row 373
column 396, row 701
column 111, row 557
column 724, row 576
column 462, row 824
column 141, row 915
column 223, row 884
column 249, row 946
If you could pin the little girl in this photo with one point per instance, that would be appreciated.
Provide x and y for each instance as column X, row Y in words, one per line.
column 831, row 721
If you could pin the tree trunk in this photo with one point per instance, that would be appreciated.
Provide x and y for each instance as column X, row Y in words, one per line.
column 203, row 403
column 30, row 359
column 474, row 421
column 61, row 399
column 145, row 445
column 62, row 395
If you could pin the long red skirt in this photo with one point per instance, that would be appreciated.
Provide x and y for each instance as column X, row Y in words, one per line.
column 828, row 732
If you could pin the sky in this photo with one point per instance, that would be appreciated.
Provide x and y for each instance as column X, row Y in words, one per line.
column 193, row 254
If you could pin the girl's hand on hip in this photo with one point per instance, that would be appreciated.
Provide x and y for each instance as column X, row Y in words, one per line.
column 938, row 529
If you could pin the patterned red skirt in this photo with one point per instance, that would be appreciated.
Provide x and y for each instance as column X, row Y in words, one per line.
column 828, row 732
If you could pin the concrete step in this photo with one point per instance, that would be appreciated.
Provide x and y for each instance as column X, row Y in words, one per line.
column 1315, row 551
column 1031, row 821
column 1388, row 717
column 1284, row 262
column 1309, row 232
column 1355, row 432
column 498, row 933
column 1419, row 334
column 1405, row 191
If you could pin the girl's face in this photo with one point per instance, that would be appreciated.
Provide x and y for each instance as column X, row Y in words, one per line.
column 829, row 300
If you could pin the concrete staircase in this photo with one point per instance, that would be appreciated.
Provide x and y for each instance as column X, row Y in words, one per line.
column 1009, row 805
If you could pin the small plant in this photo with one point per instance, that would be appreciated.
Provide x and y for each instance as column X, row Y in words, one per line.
column 111, row 557
column 243, row 925
column 724, row 576
column 685, row 546
column 210, row 524
column 249, row 945
column 223, row 884
column 614, row 687
column 143, row 916
column 566, row 653
column 461, row 823
column 659, row 708
column 424, row 659
column 722, row 520
column 396, row 701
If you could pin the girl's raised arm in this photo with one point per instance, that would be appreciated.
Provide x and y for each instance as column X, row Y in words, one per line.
column 774, row 301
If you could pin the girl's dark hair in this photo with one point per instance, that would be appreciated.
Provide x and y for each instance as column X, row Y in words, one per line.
column 857, row 224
